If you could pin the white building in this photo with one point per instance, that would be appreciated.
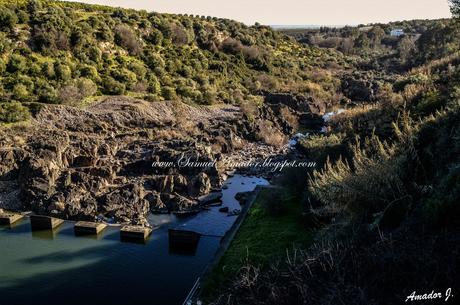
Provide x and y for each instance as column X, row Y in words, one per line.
column 397, row 32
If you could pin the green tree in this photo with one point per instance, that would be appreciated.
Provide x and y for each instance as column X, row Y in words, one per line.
column 8, row 19
column 12, row 112
column 63, row 72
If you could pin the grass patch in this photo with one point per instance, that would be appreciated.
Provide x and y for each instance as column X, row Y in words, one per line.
column 262, row 238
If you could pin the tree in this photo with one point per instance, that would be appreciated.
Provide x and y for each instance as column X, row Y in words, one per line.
column 405, row 46
column 362, row 41
column 127, row 39
column 375, row 35
column 455, row 7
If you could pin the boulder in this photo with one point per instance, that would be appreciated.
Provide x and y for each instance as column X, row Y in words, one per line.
column 210, row 198
column 199, row 185
column 224, row 210
column 155, row 203
column 179, row 203
column 114, row 204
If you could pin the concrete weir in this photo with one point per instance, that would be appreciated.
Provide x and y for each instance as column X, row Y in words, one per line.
column 135, row 233
column 40, row 222
column 178, row 236
column 88, row 228
column 8, row 218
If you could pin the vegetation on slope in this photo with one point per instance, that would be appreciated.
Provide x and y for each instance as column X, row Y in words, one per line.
column 375, row 48
column 386, row 197
column 60, row 52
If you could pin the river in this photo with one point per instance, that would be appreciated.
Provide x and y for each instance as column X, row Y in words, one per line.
column 58, row 268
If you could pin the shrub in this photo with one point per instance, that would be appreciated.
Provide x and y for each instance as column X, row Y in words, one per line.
column 90, row 72
column 62, row 71
column 320, row 148
column 179, row 35
column 155, row 37
column 290, row 118
column 375, row 179
column 268, row 82
column 250, row 110
column 168, row 93
column 47, row 69
column 154, row 85
column 125, row 38
column 125, row 77
column 69, row 95
column 16, row 63
column 209, row 96
column 8, row 19
column 12, row 112
column 20, row 92
column 46, row 93
column 138, row 68
column 112, row 87
column 231, row 46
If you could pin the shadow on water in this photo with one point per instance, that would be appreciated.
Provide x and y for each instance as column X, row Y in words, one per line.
column 181, row 248
column 66, row 256
column 112, row 273
column 18, row 227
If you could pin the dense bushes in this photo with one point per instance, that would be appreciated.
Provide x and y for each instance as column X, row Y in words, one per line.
column 375, row 179
column 199, row 60
column 12, row 112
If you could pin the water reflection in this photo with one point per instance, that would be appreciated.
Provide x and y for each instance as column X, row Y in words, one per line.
column 45, row 234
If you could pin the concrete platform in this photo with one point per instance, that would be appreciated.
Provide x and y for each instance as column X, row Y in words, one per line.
column 39, row 222
column 88, row 228
column 8, row 218
column 178, row 236
column 135, row 233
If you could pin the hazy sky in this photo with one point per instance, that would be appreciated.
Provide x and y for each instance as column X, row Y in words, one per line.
column 292, row 12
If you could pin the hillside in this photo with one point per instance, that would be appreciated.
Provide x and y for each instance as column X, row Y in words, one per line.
column 375, row 47
column 68, row 53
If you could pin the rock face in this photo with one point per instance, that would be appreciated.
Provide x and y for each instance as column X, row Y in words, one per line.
column 299, row 103
column 307, row 111
column 363, row 86
column 123, row 158
column 79, row 164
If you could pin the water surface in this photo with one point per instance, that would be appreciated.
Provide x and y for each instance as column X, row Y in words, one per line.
column 57, row 268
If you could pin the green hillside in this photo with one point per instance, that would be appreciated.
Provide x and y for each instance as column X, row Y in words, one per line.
column 60, row 52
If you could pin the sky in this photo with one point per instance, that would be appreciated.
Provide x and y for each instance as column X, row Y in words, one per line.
column 295, row 12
